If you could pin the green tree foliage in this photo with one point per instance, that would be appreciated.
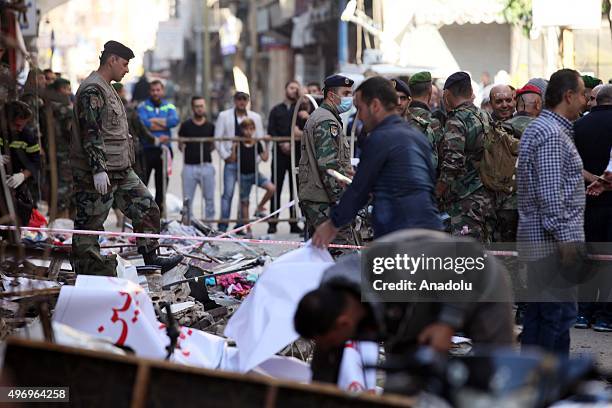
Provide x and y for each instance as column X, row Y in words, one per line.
column 519, row 13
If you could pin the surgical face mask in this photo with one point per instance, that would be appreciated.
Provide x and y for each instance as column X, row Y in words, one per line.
column 346, row 103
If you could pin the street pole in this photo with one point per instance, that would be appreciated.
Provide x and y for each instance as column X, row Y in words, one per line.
column 206, row 53
column 253, row 85
column 199, row 31
column 342, row 37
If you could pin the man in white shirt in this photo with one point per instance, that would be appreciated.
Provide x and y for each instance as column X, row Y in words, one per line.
column 227, row 126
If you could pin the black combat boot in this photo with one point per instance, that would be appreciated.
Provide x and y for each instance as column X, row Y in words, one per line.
column 164, row 262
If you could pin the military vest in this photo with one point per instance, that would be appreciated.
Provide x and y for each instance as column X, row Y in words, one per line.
column 310, row 181
column 113, row 129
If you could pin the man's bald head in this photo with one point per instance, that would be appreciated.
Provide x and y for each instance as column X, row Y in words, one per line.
column 592, row 100
column 604, row 94
column 502, row 101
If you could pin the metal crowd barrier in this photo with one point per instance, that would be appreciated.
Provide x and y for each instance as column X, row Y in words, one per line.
column 273, row 152
column 274, row 160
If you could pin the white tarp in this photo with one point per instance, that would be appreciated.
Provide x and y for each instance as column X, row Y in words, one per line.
column 122, row 311
column 263, row 324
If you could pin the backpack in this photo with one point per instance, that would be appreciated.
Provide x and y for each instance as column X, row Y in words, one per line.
column 500, row 153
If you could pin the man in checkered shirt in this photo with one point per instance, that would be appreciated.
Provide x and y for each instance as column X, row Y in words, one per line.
column 551, row 202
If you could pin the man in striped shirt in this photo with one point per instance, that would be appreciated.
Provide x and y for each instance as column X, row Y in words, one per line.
column 551, row 202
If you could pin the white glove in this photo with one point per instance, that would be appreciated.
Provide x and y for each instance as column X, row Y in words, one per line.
column 15, row 180
column 5, row 159
column 101, row 182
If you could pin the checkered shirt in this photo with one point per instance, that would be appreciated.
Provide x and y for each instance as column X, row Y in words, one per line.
column 551, row 195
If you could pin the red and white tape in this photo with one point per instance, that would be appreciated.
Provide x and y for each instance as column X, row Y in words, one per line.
column 175, row 237
column 594, row 257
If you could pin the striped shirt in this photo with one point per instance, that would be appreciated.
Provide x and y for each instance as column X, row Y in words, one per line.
column 551, row 195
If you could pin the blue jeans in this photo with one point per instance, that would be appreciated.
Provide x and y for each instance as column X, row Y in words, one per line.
column 202, row 174
column 547, row 324
column 230, row 175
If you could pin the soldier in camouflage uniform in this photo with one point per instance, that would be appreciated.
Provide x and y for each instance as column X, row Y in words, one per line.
column 58, row 100
column 529, row 106
column 325, row 146
column 101, row 156
column 506, row 213
column 470, row 205
column 419, row 114
column 140, row 133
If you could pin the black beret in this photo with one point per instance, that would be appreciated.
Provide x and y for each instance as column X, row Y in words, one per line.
column 400, row 86
column 335, row 81
column 456, row 77
column 120, row 50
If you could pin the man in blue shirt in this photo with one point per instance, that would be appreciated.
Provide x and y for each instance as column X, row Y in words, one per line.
column 159, row 116
column 395, row 168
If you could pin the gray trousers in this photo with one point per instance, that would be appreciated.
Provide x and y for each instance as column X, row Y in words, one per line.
column 203, row 175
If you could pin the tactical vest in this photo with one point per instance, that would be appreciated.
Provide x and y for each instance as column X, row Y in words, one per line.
column 310, row 181
column 113, row 129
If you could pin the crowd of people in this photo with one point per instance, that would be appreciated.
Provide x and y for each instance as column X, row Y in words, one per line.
column 516, row 169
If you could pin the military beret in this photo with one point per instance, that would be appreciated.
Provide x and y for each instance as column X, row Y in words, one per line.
column 420, row 77
column 59, row 82
column 529, row 88
column 118, row 49
column 400, row 86
column 455, row 78
column 590, row 82
column 118, row 86
column 334, row 81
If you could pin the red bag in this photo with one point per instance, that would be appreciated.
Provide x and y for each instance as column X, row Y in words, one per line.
column 37, row 220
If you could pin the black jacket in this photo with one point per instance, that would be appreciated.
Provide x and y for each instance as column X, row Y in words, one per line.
column 593, row 136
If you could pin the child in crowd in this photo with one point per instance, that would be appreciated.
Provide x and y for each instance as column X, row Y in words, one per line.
column 248, row 154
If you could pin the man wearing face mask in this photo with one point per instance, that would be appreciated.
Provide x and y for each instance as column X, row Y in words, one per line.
column 395, row 168
column 324, row 147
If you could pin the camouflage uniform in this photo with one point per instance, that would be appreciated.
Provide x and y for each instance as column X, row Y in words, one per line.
column 517, row 124
column 470, row 205
column 324, row 146
column 63, row 121
column 419, row 115
column 96, row 149
column 507, row 204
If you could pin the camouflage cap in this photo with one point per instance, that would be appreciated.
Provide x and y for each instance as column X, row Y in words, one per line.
column 420, row 77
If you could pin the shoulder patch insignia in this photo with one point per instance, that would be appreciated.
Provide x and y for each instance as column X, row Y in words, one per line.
column 334, row 130
column 95, row 102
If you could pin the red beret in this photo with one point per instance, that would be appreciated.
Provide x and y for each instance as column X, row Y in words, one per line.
column 528, row 89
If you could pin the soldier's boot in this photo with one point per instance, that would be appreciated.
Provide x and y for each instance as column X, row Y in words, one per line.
column 166, row 263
